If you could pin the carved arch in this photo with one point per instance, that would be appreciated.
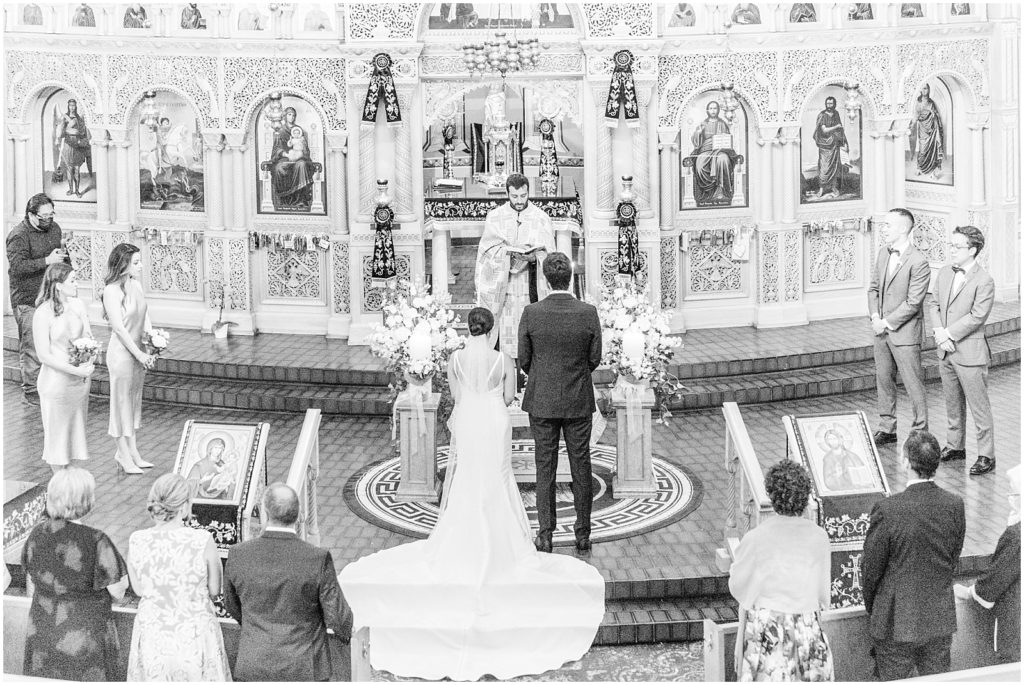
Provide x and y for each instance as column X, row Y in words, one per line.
column 579, row 20
column 868, row 110
column 757, row 117
column 137, row 96
column 43, row 89
column 251, row 108
column 958, row 84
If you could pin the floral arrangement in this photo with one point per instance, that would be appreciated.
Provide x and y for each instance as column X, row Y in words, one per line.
column 83, row 350
column 156, row 341
column 418, row 334
column 637, row 344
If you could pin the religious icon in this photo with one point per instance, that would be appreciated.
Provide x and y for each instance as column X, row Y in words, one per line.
column 171, row 171
column 746, row 14
column 837, row 450
column 32, row 15
column 250, row 18
column 192, row 18
column 68, row 173
column 316, row 20
column 831, row 160
column 487, row 16
column 683, row 15
column 290, row 158
column 930, row 143
column 717, row 128
column 911, row 10
column 960, row 9
column 83, row 16
column 802, row 13
column 860, row 11
column 135, row 17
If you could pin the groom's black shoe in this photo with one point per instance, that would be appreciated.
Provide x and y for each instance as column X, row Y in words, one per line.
column 542, row 544
column 583, row 545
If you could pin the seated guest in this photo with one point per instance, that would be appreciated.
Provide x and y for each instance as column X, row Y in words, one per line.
column 176, row 571
column 76, row 571
column 781, row 579
column 999, row 587
column 285, row 594
column 912, row 547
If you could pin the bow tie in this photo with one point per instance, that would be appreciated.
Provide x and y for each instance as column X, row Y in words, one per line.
column 958, row 270
column 894, row 251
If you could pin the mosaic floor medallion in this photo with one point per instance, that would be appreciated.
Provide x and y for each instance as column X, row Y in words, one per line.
column 370, row 493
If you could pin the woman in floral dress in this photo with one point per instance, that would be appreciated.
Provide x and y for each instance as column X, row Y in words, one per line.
column 781, row 578
column 75, row 571
column 177, row 572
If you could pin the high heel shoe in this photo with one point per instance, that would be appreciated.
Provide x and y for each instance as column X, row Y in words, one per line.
column 129, row 468
column 142, row 463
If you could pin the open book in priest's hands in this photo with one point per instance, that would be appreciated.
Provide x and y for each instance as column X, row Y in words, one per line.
column 518, row 254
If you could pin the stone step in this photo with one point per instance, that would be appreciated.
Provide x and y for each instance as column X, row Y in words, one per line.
column 374, row 400
column 629, row 622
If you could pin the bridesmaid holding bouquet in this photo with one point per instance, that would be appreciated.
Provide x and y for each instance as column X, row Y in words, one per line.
column 124, row 306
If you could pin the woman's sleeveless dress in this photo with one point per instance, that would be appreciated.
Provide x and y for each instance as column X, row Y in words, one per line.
column 64, row 398
column 127, row 375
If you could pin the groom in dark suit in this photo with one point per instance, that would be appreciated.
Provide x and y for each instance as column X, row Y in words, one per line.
column 559, row 347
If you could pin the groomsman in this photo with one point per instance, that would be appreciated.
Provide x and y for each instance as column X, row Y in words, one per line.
column 958, row 309
column 899, row 283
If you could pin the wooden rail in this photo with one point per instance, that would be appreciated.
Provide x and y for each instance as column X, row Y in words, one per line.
column 748, row 500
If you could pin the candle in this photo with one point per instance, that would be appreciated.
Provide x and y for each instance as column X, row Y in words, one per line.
column 419, row 344
column 633, row 344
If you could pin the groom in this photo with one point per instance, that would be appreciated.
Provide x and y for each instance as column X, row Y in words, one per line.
column 559, row 347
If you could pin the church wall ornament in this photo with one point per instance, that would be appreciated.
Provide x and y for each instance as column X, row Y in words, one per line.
column 669, row 271
column 294, row 274
column 831, row 261
column 342, row 288
column 768, row 268
column 619, row 20
column 365, row 21
column 931, row 232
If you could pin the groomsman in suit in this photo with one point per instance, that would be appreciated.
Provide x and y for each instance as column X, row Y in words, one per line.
column 963, row 298
column 912, row 547
column 285, row 594
column 559, row 347
column 899, row 283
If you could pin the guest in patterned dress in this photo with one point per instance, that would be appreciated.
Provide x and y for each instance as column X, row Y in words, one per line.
column 75, row 571
column 781, row 579
column 59, row 319
column 177, row 572
column 124, row 306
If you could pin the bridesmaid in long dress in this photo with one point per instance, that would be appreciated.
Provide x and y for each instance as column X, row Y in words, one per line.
column 63, row 389
column 124, row 306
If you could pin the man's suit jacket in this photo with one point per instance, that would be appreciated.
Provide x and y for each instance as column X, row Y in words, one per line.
column 559, row 347
column 284, row 592
column 963, row 314
column 913, row 545
column 1000, row 584
column 899, row 298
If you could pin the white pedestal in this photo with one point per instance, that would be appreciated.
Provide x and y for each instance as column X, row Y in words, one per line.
column 524, row 464
column 634, row 466
column 418, row 451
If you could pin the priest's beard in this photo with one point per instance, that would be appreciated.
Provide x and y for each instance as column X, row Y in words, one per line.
column 518, row 206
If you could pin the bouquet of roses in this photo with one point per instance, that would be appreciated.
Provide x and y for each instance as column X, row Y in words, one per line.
column 83, row 350
column 418, row 334
column 156, row 341
column 636, row 341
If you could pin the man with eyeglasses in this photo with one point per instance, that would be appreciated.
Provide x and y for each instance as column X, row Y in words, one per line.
column 32, row 245
column 899, row 283
column 958, row 309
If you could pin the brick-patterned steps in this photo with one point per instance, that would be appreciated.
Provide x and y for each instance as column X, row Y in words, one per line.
column 662, row 620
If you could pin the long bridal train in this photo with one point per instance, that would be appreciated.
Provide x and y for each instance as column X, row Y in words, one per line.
column 476, row 598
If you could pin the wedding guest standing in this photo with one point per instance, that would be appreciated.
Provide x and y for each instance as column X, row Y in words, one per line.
column 899, row 283
column 124, row 306
column 59, row 319
column 177, row 573
column 75, row 571
column 781, row 579
column 32, row 245
column 911, row 550
column 959, row 308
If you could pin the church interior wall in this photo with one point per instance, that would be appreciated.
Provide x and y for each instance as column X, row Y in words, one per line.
column 766, row 254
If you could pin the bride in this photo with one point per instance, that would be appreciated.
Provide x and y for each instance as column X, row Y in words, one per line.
column 476, row 597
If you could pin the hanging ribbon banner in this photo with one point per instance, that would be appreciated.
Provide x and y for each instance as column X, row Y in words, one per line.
column 629, row 241
column 384, row 270
column 382, row 85
column 622, row 92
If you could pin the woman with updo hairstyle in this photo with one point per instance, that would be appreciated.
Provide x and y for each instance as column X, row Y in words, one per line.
column 781, row 577
column 176, row 571
column 74, row 573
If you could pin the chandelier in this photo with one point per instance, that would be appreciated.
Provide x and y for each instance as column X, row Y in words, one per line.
column 501, row 55
column 150, row 112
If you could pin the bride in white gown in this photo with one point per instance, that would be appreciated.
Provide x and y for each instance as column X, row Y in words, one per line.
column 476, row 597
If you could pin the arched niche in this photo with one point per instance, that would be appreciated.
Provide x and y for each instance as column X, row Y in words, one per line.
column 315, row 20
column 63, row 165
column 685, row 17
column 82, row 17
column 805, row 14
column 165, row 128
column 832, row 146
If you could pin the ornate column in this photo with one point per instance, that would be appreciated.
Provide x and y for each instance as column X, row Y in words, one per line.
column 879, row 133
column 101, row 172
column 214, row 180
column 340, row 320
column 978, row 123
column 668, row 149
column 337, row 151
column 790, row 141
column 603, row 163
column 119, row 140
column 767, row 139
column 900, row 129
column 20, row 135
column 235, row 145
column 440, row 261
column 641, row 147
column 403, row 155
column 10, row 201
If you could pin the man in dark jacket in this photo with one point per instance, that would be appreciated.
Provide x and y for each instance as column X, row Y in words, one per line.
column 32, row 245
column 285, row 594
column 912, row 547
column 559, row 347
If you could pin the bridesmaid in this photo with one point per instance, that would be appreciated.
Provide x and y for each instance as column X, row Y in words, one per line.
column 63, row 389
column 124, row 306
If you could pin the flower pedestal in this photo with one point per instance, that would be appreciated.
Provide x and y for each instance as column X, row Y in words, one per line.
column 416, row 420
column 634, row 467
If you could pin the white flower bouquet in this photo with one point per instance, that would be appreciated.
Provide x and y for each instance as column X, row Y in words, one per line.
column 83, row 350
column 418, row 334
column 156, row 341
column 636, row 342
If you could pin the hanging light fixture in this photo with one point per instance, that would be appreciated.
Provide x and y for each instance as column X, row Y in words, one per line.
column 729, row 102
column 274, row 111
column 150, row 112
column 501, row 55
column 853, row 100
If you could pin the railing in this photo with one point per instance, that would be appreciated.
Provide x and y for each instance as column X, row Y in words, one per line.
column 748, row 500
column 303, row 474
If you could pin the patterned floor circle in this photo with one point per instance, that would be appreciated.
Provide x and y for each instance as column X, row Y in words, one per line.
column 370, row 494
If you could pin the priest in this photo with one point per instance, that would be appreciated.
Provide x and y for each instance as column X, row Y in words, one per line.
column 517, row 235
